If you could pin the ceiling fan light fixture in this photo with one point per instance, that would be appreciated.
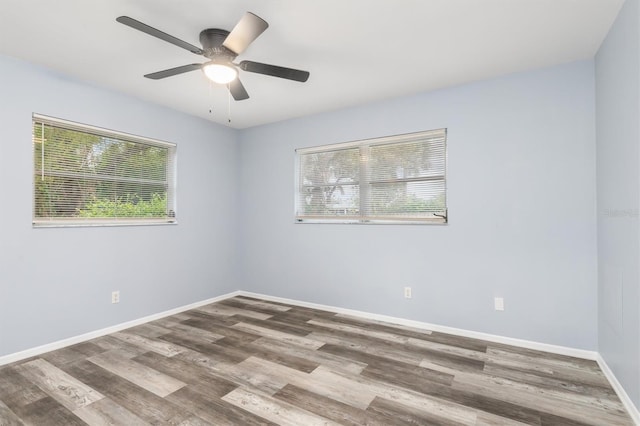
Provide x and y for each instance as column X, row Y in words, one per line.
column 220, row 73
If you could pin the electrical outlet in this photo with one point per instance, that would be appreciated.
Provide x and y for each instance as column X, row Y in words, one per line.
column 115, row 296
column 498, row 304
column 407, row 292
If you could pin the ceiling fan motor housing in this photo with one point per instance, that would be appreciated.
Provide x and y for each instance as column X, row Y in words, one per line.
column 211, row 40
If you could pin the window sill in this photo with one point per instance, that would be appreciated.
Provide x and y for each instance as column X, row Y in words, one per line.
column 371, row 222
column 96, row 223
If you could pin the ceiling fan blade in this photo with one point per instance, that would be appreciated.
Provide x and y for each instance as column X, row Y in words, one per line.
column 158, row 34
column 246, row 30
column 275, row 71
column 237, row 90
column 173, row 71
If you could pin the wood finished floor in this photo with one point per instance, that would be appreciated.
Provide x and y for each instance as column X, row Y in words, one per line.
column 246, row 361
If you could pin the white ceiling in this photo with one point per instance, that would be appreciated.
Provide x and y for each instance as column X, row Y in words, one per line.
column 357, row 51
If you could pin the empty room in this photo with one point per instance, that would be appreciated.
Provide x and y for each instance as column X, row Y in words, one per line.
column 410, row 212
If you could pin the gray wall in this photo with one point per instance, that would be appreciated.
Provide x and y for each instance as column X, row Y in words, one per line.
column 57, row 283
column 522, row 207
column 618, row 171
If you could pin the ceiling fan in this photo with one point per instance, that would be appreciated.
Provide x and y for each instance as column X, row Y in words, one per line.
column 221, row 47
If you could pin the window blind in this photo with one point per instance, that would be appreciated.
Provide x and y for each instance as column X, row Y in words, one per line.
column 397, row 179
column 330, row 183
column 85, row 175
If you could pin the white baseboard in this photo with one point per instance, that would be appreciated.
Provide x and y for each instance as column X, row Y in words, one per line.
column 561, row 350
column 8, row 359
column 622, row 394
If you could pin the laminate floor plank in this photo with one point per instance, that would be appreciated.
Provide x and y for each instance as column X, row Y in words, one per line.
column 264, row 382
column 236, row 350
column 251, row 299
column 551, row 420
column 402, row 330
column 8, row 417
column 195, row 333
column 198, row 359
column 548, row 381
column 47, row 411
column 263, row 307
column 469, row 356
column 232, row 333
column 212, row 350
column 538, row 399
column 270, row 377
column 278, row 335
column 223, row 330
column 488, row 419
column 586, row 376
column 193, row 375
column 546, row 357
column 62, row 387
column 486, row 404
column 363, row 331
column 266, row 376
column 416, row 400
column 146, row 405
column 299, row 319
column 158, row 346
column 558, row 361
column 194, row 421
column 524, row 390
column 337, row 387
column 248, row 361
column 16, row 390
column 231, row 311
column 149, row 330
column 257, row 303
column 143, row 376
column 189, row 341
column 282, row 357
column 338, row 341
column 109, row 343
column 300, row 314
column 279, row 412
column 215, row 410
column 107, row 412
column 397, row 371
column 297, row 330
column 463, row 342
column 335, row 342
column 459, row 341
column 399, row 414
column 168, row 322
column 210, row 318
column 339, row 412
column 315, row 356
column 72, row 353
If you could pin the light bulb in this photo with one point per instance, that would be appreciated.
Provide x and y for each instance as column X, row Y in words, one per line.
column 220, row 73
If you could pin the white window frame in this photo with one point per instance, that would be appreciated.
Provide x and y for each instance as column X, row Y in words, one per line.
column 171, row 180
column 364, row 147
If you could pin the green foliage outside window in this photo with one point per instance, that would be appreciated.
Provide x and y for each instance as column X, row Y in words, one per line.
column 128, row 207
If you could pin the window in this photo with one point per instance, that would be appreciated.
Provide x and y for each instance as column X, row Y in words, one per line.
column 85, row 175
column 397, row 179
